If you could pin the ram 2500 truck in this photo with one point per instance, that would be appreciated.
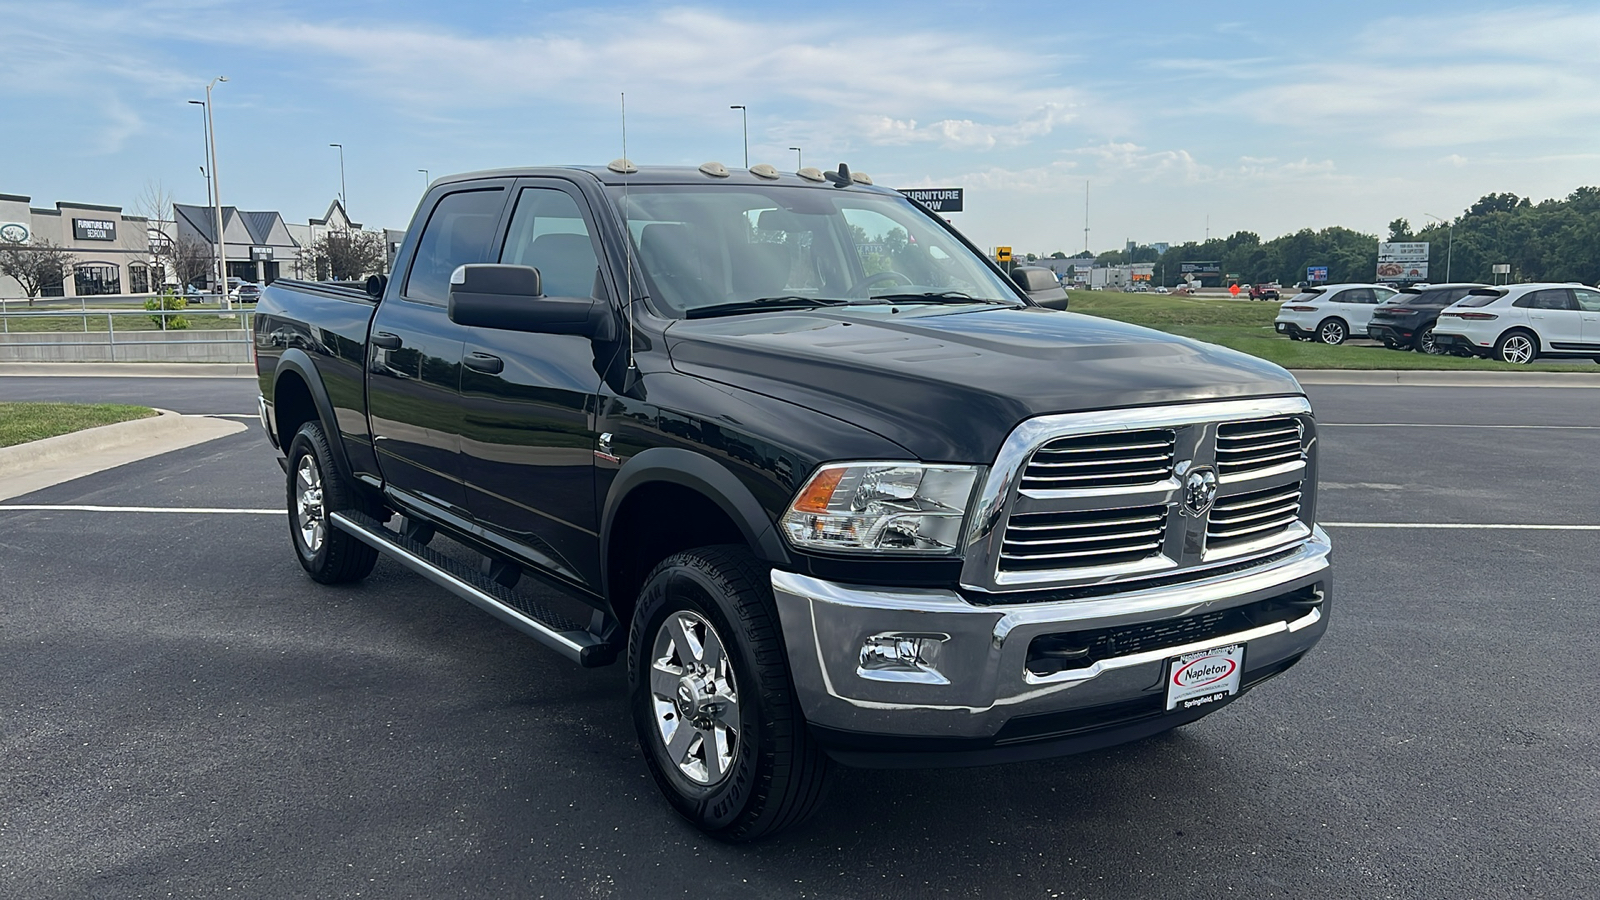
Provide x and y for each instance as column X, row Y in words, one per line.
column 834, row 489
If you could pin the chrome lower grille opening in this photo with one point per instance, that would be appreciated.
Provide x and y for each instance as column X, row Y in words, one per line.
column 1114, row 459
column 1243, row 518
column 1077, row 540
column 1258, row 444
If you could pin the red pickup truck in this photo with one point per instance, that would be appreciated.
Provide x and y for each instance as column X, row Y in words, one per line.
column 1264, row 292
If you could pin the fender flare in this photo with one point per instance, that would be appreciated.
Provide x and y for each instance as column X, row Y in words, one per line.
column 299, row 362
column 704, row 475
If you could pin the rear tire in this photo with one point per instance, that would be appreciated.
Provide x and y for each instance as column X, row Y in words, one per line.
column 1332, row 332
column 1517, row 347
column 739, row 774
column 1426, row 343
column 315, row 489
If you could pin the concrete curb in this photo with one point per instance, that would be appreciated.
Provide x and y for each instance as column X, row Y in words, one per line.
column 128, row 370
column 1447, row 378
column 36, row 465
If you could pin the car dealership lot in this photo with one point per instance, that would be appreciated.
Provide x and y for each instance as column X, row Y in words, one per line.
column 185, row 713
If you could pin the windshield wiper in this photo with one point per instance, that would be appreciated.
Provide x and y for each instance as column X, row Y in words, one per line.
column 930, row 297
column 762, row 304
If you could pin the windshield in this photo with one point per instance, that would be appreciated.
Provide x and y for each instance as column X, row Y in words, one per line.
column 724, row 247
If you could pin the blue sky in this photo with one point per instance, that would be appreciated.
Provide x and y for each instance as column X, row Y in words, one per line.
column 1261, row 116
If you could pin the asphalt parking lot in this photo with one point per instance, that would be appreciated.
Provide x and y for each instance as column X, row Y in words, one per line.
column 183, row 713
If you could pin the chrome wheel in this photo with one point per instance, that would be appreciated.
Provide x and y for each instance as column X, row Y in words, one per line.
column 309, row 515
column 1427, row 344
column 1331, row 332
column 1517, row 349
column 695, row 699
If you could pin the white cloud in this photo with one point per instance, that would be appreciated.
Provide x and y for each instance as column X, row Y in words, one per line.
column 1474, row 79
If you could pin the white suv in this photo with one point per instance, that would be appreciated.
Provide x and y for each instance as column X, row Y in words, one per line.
column 1330, row 314
column 1522, row 322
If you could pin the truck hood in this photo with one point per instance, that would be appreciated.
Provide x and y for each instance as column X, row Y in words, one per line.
column 949, row 384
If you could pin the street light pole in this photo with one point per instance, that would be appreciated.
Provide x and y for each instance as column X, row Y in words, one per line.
column 216, row 185
column 1450, row 248
column 425, row 179
column 799, row 158
column 745, row 113
column 344, row 199
column 205, row 150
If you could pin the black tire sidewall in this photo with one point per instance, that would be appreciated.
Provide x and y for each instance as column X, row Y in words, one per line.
column 305, row 444
column 675, row 586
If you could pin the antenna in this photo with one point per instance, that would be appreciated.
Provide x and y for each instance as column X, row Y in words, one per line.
column 1086, row 215
column 627, row 247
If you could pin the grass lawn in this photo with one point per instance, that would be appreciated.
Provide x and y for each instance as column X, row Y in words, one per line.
column 1247, row 326
column 23, row 422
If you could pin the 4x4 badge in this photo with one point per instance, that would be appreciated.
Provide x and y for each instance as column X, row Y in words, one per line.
column 1199, row 491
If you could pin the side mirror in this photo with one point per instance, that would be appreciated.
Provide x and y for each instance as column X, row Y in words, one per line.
column 1041, row 286
column 511, row 298
column 376, row 285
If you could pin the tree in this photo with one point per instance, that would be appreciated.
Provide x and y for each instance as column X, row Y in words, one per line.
column 1399, row 231
column 349, row 255
column 155, row 204
column 36, row 265
column 191, row 260
column 1058, row 255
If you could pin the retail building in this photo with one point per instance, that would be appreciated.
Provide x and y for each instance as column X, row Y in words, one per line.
column 111, row 250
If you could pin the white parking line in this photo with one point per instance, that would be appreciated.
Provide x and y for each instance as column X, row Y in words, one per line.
column 195, row 510
column 1461, row 526
column 1442, row 425
column 224, row 415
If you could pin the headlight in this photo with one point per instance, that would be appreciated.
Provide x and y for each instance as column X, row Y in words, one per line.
column 882, row 507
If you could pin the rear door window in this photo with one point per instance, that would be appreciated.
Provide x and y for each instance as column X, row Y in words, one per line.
column 1550, row 298
column 458, row 232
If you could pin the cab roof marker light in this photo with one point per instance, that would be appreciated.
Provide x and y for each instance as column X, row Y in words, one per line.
column 812, row 173
column 714, row 169
column 622, row 166
column 762, row 170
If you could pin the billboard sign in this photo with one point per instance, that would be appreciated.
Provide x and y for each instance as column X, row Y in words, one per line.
column 94, row 229
column 1317, row 274
column 1403, row 261
column 938, row 199
column 1200, row 268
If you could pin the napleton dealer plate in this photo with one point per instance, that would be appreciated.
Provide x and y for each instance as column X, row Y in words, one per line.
column 1204, row 677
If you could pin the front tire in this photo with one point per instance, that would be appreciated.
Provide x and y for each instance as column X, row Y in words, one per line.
column 1332, row 332
column 712, row 700
column 315, row 489
column 1517, row 347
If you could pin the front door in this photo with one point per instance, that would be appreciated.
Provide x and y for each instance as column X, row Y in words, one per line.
column 528, row 400
column 414, row 351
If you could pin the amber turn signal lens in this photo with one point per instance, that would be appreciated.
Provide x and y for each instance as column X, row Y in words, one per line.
column 815, row 497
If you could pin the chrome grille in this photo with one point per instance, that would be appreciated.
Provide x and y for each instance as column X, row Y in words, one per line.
column 1077, row 540
column 1259, row 444
column 1241, row 518
column 1116, row 459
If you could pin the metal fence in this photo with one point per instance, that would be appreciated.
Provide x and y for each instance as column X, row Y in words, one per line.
column 147, row 335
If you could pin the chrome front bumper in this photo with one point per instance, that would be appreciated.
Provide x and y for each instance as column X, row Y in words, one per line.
column 978, row 680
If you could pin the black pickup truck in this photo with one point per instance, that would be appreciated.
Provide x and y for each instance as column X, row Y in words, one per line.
column 835, row 489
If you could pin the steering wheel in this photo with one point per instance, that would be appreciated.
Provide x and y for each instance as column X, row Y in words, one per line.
column 859, row 289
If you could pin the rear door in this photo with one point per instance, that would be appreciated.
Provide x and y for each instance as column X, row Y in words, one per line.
column 528, row 400
column 1555, row 317
column 1588, row 301
column 414, row 350
column 1355, row 305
